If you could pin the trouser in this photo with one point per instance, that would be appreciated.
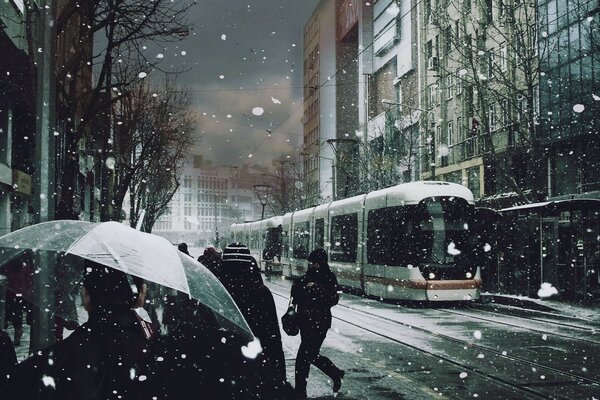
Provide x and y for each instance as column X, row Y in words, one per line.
column 308, row 353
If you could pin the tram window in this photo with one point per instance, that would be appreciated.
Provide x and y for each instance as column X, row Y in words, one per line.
column 319, row 233
column 301, row 240
column 344, row 239
column 390, row 238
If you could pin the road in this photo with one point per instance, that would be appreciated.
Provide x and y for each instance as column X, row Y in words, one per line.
column 404, row 351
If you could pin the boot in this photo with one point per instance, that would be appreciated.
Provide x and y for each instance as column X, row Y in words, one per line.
column 18, row 335
column 337, row 382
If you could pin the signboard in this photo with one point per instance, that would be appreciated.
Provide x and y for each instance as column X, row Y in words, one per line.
column 348, row 15
column 21, row 182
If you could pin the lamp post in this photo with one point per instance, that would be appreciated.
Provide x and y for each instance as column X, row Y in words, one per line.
column 262, row 193
column 430, row 139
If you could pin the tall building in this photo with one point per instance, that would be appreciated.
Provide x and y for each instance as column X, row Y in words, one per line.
column 393, row 109
column 319, row 102
column 209, row 200
column 569, row 94
column 18, row 96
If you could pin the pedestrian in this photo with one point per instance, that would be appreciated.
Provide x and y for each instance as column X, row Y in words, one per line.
column 205, row 360
column 8, row 361
column 103, row 358
column 183, row 247
column 242, row 279
column 314, row 294
column 211, row 259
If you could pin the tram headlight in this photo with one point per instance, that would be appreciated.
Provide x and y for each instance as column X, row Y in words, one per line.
column 431, row 275
column 469, row 275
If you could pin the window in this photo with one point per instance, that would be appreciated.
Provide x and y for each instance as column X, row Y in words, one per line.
column 536, row 100
column 433, row 95
column 491, row 63
column 459, row 130
column 505, row 113
column 492, row 118
column 503, row 58
column 187, row 197
column 187, row 181
column 344, row 238
column 301, row 240
column 459, row 86
column 390, row 238
column 450, row 131
column 448, row 39
column 449, row 86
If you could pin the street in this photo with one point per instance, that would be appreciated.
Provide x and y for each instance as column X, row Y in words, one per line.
column 403, row 351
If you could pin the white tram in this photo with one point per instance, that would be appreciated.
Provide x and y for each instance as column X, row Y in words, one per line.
column 412, row 241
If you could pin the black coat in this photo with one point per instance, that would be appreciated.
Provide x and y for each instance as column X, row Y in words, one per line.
column 314, row 294
column 8, row 361
column 107, row 354
column 256, row 303
column 198, row 361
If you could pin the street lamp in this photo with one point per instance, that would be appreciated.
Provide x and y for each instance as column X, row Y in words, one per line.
column 430, row 139
column 262, row 192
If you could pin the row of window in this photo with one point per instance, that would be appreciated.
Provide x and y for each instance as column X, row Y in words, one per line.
column 499, row 116
column 204, row 182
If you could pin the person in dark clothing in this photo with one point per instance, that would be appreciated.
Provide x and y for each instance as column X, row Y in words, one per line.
column 202, row 360
column 103, row 358
column 183, row 247
column 242, row 279
column 314, row 294
column 211, row 259
column 8, row 361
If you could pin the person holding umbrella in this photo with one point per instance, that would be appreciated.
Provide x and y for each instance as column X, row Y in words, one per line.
column 314, row 294
column 103, row 358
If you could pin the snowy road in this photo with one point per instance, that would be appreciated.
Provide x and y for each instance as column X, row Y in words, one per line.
column 393, row 351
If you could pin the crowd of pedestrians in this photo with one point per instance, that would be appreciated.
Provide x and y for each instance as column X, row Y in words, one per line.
column 119, row 354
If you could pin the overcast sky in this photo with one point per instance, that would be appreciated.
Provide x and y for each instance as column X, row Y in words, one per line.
column 244, row 57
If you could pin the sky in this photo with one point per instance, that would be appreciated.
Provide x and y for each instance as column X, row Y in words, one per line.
column 244, row 69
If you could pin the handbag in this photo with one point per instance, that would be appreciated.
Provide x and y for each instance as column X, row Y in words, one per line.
column 290, row 320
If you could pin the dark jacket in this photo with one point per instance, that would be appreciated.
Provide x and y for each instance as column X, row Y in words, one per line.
column 199, row 361
column 102, row 359
column 314, row 294
column 256, row 303
column 8, row 361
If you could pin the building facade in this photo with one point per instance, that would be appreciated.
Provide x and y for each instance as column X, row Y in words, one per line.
column 209, row 200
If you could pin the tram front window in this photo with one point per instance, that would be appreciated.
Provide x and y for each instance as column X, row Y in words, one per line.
column 444, row 230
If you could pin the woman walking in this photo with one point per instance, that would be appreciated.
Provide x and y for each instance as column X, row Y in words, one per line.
column 314, row 294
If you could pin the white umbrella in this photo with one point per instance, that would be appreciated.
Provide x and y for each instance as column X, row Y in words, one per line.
column 118, row 246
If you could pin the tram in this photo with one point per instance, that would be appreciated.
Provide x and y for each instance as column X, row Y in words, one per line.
column 412, row 241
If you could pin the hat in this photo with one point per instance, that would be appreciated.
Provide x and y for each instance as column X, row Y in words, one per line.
column 237, row 252
column 318, row 256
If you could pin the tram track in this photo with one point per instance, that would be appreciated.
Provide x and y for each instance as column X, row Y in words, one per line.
column 568, row 378
column 528, row 328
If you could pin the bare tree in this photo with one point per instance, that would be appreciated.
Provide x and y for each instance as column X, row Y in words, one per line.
column 488, row 53
column 98, row 35
column 153, row 142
